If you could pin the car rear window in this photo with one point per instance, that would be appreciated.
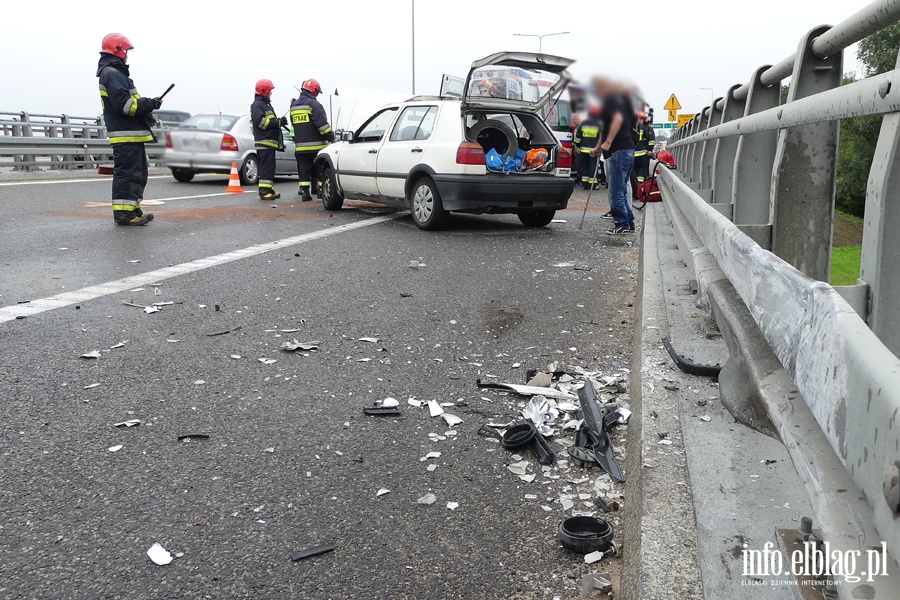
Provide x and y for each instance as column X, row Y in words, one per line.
column 213, row 122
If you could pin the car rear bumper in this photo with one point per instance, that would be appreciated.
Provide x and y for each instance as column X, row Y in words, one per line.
column 203, row 162
column 496, row 193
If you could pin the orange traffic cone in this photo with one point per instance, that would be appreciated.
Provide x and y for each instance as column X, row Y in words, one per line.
column 234, row 181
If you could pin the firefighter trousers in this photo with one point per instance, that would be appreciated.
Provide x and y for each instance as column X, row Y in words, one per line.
column 306, row 169
column 266, row 157
column 129, row 180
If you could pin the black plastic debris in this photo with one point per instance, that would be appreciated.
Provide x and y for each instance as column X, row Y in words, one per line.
column 223, row 332
column 313, row 551
column 654, row 414
column 193, row 436
column 602, row 504
column 671, row 388
column 687, row 365
column 585, row 534
column 405, row 295
column 592, row 443
column 524, row 434
column 382, row 411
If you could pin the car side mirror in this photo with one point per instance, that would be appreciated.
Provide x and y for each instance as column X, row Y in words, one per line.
column 346, row 136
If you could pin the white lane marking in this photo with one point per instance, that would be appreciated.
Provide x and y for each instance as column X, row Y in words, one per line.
column 57, row 181
column 9, row 313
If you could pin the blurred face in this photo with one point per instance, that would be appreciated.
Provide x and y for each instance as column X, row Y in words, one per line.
column 603, row 87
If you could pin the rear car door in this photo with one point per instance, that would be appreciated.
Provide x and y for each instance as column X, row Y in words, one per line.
column 404, row 147
column 359, row 159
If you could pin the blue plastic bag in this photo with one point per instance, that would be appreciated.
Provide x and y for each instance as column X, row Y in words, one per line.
column 503, row 164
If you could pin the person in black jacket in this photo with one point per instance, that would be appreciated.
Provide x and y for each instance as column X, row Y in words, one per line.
column 312, row 132
column 128, row 119
column 267, row 135
column 586, row 138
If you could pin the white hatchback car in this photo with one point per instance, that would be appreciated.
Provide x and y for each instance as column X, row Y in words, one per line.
column 428, row 154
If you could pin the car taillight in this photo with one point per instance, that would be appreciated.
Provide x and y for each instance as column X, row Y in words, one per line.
column 469, row 153
column 565, row 158
column 229, row 144
column 169, row 140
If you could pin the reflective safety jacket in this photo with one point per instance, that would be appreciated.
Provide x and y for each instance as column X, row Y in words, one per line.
column 266, row 126
column 587, row 135
column 646, row 139
column 125, row 114
column 312, row 132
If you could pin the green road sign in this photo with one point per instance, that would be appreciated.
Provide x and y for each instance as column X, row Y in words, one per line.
column 664, row 125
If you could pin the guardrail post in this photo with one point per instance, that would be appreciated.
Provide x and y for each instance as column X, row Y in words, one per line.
column 725, row 153
column 687, row 163
column 707, row 160
column 702, row 124
column 753, row 163
column 881, row 244
column 803, row 183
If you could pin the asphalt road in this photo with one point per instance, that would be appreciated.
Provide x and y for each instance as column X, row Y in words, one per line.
column 291, row 461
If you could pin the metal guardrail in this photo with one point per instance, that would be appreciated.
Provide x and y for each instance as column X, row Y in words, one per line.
column 757, row 186
column 33, row 141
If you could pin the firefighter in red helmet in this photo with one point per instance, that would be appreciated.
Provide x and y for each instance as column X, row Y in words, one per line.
column 267, row 137
column 128, row 119
column 312, row 132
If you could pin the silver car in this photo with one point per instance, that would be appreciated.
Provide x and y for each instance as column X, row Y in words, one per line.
column 211, row 143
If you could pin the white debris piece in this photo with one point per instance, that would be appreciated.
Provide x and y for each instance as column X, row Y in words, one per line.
column 430, row 468
column 294, row 346
column 267, row 361
column 518, row 468
column 115, row 448
column 270, row 450
column 528, row 478
column 516, row 365
column 434, row 408
column 199, row 382
column 593, row 557
column 705, row 418
column 119, row 345
column 427, row 499
column 363, row 359
column 382, row 492
column 566, row 503
column 665, row 442
column 93, row 385
column 371, row 340
column 91, row 354
column 390, row 402
column 235, row 356
column 129, row 423
column 451, row 419
column 432, row 455
column 159, row 555
column 151, row 309
column 453, row 505
column 414, row 402
column 527, row 390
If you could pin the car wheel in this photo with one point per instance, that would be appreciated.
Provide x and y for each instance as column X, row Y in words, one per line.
column 250, row 171
column 182, row 175
column 331, row 200
column 537, row 218
column 425, row 205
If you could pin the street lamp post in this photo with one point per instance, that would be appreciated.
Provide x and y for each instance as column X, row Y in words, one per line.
column 711, row 93
column 414, row 47
column 540, row 37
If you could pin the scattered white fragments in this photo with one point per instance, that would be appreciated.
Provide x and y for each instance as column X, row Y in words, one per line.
column 267, row 361
column 414, row 402
column 434, row 408
column 430, row 455
column 518, row 468
column 453, row 505
column 294, row 346
column 159, row 555
column 91, row 354
column 129, row 423
column 115, row 448
column 382, row 492
column 427, row 499
column 593, row 557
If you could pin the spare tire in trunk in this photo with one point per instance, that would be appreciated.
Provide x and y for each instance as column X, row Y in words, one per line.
column 494, row 134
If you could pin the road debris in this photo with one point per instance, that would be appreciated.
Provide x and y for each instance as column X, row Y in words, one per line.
column 296, row 555
column 453, row 505
column 151, row 309
column 117, row 346
column 525, row 390
column 451, row 419
column 91, row 354
column 382, row 411
column 434, row 408
column 159, row 555
column 294, row 346
column 267, row 361
column 593, row 557
column 390, row 402
column 371, row 340
column 129, row 423
column 93, row 385
column 382, row 492
column 192, row 436
column 427, row 499
column 115, row 448
column 217, row 333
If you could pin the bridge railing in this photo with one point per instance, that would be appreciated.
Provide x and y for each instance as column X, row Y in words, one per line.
column 33, row 141
column 757, row 182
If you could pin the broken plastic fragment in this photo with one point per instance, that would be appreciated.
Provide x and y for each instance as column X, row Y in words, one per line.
column 432, row 455
column 593, row 557
column 151, row 309
column 93, row 385
column 705, row 418
column 296, row 555
column 294, row 345
column 267, row 361
column 129, row 423
column 371, row 340
column 390, row 402
column 427, row 499
column 414, row 402
column 453, row 505
column 192, row 436
column 382, row 492
column 363, row 359
column 518, row 468
column 115, row 448
column 430, row 468
column 119, row 345
column 434, row 408
column 451, row 419
column 91, row 354
column 159, row 555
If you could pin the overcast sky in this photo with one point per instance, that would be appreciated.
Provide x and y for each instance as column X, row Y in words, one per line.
column 214, row 54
